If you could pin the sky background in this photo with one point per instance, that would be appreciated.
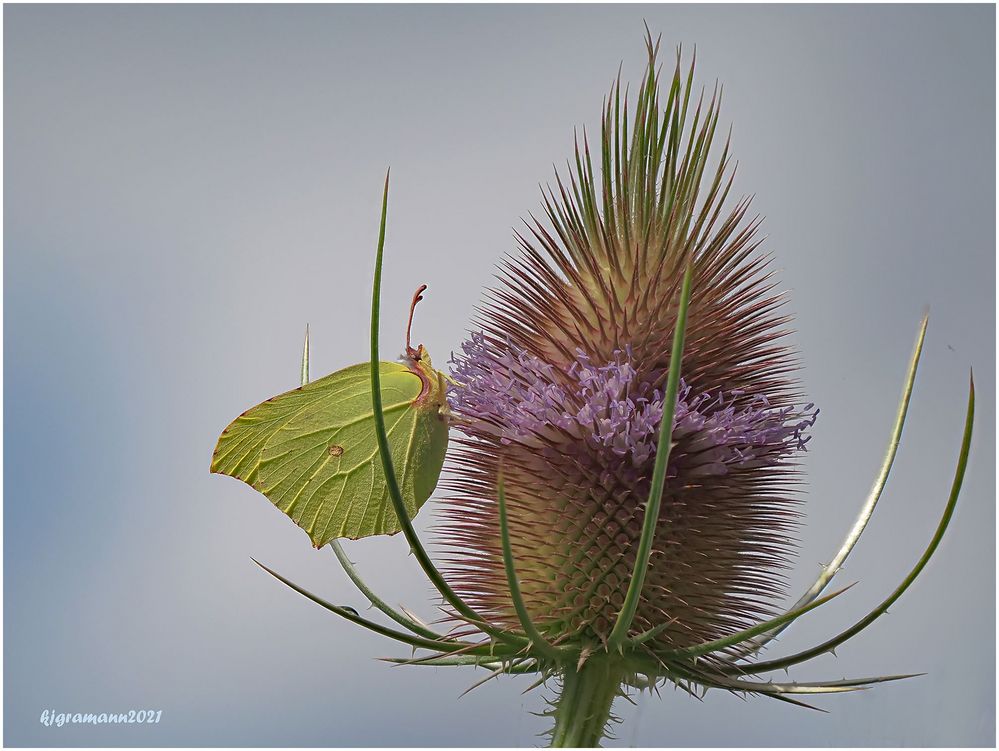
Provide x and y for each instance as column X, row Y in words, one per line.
column 185, row 187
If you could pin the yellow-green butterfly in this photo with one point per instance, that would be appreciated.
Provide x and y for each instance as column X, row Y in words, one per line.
column 313, row 451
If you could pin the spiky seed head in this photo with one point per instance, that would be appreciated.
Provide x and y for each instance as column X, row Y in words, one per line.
column 563, row 388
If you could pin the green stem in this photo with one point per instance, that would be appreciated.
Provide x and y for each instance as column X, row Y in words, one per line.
column 583, row 709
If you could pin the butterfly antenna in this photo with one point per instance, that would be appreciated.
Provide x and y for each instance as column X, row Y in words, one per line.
column 417, row 296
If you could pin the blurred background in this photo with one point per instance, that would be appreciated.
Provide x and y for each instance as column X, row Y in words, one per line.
column 187, row 186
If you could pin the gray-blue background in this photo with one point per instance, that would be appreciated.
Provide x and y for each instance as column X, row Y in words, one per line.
column 186, row 187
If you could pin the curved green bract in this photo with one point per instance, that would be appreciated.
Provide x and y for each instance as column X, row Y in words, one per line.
column 630, row 606
column 313, row 451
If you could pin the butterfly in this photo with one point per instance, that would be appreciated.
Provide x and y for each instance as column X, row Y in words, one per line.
column 313, row 452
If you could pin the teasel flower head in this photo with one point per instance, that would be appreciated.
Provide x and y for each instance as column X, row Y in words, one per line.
column 562, row 389
column 619, row 508
column 560, row 394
